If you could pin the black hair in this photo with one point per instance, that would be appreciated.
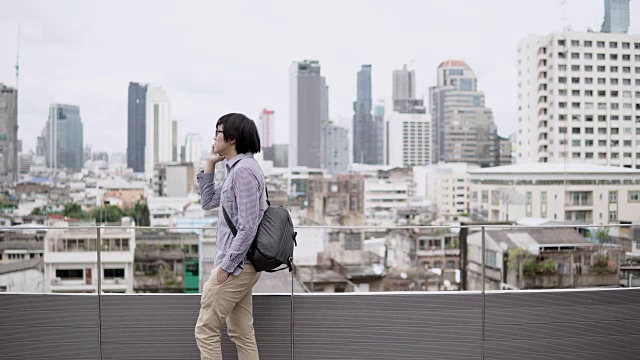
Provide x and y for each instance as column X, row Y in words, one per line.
column 243, row 130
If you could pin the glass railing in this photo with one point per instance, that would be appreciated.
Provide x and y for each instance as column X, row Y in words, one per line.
column 327, row 259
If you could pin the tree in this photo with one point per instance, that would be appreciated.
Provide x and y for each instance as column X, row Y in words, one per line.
column 140, row 213
column 74, row 211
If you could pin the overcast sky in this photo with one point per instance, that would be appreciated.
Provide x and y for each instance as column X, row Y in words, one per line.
column 214, row 57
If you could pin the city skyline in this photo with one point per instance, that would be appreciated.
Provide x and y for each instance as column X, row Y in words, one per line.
column 203, row 83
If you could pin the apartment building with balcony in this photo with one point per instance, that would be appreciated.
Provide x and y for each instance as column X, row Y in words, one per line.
column 578, row 99
column 71, row 259
column 570, row 193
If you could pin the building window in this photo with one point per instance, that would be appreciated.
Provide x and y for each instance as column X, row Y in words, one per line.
column 613, row 215
column 613, row 197
column 70, row 274
column 353, row 242
column 490, row 258
column 114, row 273
column 634, row 196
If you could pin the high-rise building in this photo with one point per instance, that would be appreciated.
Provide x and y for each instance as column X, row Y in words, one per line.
column 368, row 128
column 193, row 148
column 377, row 140
column 408, row 139
column 308, row 104
column 176, row 148
column 404, row 92
column 136, row 126
column 464, row 129
column 616, row 16
column 64, row 136
column 267, row 128
column 335, row 148
column 8, row 135
column 578, row 98
column 159, row 129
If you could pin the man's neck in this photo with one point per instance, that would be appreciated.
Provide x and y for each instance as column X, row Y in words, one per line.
column 231, row 154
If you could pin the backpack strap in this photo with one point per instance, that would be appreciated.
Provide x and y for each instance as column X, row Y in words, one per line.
column 234, row 231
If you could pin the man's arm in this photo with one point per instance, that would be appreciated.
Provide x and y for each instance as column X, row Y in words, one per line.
column 247, row 194
column 209, row 194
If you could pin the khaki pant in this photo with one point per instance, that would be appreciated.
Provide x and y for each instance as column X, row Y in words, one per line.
column 230, row 301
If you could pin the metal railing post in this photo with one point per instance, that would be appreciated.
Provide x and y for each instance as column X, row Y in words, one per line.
column 484, row 254
column 99, row 275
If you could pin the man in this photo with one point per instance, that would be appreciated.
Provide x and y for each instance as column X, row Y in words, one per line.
column 227, row 293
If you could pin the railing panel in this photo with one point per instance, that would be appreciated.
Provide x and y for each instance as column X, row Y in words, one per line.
column 388, row 326
column 46, row 326
column 563, row 324
column 162, row 327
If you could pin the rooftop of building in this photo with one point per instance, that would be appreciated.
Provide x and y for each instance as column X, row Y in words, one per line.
column 555, row 168
column 35, row 263
column 453, row 63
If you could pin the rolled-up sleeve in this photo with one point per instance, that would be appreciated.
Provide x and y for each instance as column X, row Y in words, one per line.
column 247, row 194
column 209, row 194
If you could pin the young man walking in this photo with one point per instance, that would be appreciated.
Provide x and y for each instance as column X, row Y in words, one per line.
column 226, row 296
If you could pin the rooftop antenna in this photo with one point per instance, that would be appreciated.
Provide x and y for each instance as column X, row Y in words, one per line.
column 18, row 61
column 563, row 7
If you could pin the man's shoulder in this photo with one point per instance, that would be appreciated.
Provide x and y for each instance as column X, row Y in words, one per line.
column 251, row 165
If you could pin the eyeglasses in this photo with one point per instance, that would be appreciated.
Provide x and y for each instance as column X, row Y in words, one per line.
column 219, row 132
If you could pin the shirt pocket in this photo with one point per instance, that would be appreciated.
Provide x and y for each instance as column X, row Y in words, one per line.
column 227, row 198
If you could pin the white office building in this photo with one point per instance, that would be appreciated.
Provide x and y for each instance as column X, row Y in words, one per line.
column 193, row 148
column 159, row 129
column 446, row 187
column 408, row 139
column 571, row 193
column 578, row 99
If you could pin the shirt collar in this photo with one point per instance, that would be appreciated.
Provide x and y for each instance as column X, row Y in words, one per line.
column 237, row 158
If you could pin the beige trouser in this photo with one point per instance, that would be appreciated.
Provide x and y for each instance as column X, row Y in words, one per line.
column 230, row 301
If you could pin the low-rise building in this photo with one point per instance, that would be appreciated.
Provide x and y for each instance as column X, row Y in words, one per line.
column 23, row 276
column 571, row 193
column 540, row 258
column 71, row 259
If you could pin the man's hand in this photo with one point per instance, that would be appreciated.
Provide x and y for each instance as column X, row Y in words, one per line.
column 221, row 275
column 213, row 157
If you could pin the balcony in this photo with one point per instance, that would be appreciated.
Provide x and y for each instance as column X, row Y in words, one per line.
column 491, row 324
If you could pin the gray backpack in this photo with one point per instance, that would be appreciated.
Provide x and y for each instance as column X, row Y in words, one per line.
column 275, row 239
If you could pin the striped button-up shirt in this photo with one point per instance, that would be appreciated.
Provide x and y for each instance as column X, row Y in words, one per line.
column 243, row 196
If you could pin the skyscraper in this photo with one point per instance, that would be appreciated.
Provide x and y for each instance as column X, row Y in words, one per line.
column 136, row 135
column 464, row 129
column 362, row 119
column 616, row 16
column 8, row 135
column 308, row 102
column 159, row 129
column 64, row 137
column 267, row 128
